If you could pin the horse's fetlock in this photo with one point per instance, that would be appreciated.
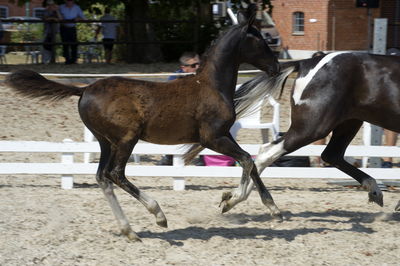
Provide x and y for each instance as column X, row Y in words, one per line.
column 153, row 207
column 370, row 184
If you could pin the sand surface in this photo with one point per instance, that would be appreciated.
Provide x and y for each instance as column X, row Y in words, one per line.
column 44, row 225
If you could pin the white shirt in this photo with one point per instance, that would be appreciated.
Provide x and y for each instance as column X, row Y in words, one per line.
column 108, row 29
column 71, row 13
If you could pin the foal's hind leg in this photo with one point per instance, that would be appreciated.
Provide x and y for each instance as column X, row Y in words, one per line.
column 228, row 146
column 334, row 154
column 115, row 171
column 268, row 153
column 108, row 191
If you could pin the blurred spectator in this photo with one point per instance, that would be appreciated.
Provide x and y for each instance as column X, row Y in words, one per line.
column 109, row 31
column 189, row 63
column 72, row 12
column 51, row 29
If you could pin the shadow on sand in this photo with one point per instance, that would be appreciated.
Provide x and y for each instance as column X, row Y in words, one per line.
column 357, row 220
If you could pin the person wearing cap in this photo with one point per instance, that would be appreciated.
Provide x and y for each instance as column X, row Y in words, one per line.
column 51, row 28
column 72, row 12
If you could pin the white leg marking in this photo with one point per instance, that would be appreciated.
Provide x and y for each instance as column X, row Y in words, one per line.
column 268, row 154
column 301, row 83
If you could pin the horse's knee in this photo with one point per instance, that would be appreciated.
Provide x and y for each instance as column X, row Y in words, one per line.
column 247, row 162
column 331, row 157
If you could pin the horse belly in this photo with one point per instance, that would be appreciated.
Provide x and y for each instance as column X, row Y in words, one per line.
column 175, row 132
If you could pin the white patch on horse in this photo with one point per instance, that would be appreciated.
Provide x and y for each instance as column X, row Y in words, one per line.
column 268, row 154
column 301, row 83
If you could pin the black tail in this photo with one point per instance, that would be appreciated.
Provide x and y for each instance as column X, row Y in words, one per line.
column 34, row 85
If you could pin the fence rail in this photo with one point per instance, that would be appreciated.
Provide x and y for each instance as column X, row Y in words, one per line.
column 67, row 167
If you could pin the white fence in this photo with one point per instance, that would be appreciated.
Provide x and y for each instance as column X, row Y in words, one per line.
column 67, row 167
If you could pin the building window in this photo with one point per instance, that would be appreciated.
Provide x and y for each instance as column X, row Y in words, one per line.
column 298, row 23
column 38, row 12
column 3, row 11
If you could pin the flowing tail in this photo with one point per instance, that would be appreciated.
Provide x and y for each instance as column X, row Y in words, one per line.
column 259, row 87
column 34, row 85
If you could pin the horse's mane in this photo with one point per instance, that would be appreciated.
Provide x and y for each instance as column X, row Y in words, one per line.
column 213, row 44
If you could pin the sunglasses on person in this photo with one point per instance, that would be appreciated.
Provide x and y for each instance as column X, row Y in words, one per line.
column 192, row 65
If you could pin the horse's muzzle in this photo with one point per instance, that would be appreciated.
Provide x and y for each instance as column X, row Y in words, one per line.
column 274, row 70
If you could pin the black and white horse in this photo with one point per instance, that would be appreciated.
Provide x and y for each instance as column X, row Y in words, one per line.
column 333, row 93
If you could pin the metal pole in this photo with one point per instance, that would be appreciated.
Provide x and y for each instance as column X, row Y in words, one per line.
column 369, row 15
column 379, row 47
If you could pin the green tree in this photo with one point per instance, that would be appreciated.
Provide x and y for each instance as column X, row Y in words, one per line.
column 144, row 10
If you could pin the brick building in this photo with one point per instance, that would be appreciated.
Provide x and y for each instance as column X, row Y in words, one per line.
column 31, row 8
column 307, row 26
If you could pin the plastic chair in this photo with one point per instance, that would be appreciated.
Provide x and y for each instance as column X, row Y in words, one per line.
column 33, row 54
column 253, row 121
column 92, row 52
column 3, row 59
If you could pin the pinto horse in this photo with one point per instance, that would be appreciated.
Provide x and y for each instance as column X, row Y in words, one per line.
column 332, row 93
column 195, row 109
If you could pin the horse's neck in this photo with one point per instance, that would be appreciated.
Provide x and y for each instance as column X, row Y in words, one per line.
column 221, row 72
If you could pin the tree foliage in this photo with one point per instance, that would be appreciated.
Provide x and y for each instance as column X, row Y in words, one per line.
column 201, row 29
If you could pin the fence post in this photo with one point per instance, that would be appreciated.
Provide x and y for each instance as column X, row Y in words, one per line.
column 179, row 182
column 67, row 181
column 87, row 137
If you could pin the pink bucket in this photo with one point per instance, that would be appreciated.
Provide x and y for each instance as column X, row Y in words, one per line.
column 218, row 160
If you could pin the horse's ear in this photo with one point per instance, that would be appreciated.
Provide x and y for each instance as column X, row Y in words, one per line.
column 241, row 17
column 251, row 14
column 246, row 18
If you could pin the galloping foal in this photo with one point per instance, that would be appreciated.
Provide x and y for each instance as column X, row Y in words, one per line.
column 195, row 109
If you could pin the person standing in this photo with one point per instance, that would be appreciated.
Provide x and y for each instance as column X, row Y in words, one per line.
column 189, row 63
column 72, row 12
column 51, row 28
column 109, row 31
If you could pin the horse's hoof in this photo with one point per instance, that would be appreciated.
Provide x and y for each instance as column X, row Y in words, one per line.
column 377, row 197
column 225, row 207
column 162, row 223
column 278, row 217
column 131, row 235
column 226, row 196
